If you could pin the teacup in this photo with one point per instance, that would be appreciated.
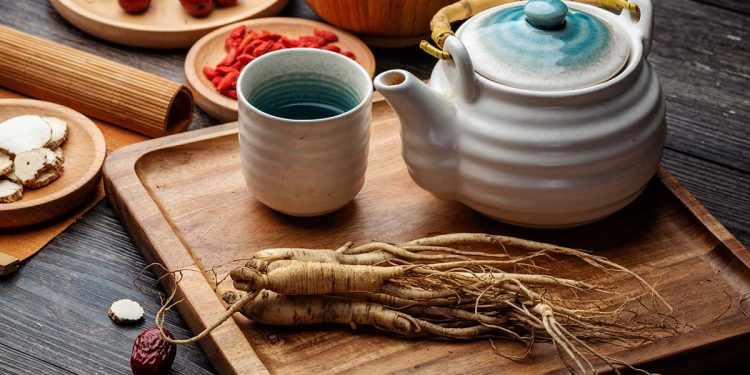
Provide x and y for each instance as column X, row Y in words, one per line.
column 304, row 129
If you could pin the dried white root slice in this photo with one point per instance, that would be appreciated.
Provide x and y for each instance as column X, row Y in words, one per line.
column 12, row 176
column 6, row 164
column 45, row 178
column 59, row 155
column 24, row 133
column 59, row 131
column 28, row 165
column 125, row 311
column 52, row 159
column 10, row 191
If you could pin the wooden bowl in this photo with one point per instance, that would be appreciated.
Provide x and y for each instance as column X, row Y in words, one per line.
column 381, row 23
column 164, row 25
column 84, row 152
column 209, row 50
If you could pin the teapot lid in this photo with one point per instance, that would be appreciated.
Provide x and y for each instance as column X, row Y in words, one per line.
column 544, row 46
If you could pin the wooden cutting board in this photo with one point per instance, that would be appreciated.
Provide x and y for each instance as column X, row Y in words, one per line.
column 184, row 201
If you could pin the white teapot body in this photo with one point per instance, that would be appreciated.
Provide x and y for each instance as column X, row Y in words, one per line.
column 538, row 159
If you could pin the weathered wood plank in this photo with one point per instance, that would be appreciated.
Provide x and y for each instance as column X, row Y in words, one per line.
column 701, row 54
column 687, row 34
column 722, row 190
column 54, row 310
column 739, row 6
column 16, row 361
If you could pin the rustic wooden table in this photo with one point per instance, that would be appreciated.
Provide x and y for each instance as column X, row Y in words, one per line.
column 52, row 312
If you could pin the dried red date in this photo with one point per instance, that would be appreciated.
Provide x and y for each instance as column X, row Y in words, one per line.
column 134, row 6
column 151, row 354
column 198, row 8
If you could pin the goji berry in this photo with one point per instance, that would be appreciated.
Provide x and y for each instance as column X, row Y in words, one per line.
column 245, row 58
column 209, row 73
column 276, row 46
column 227, row 81
column 243, row 45
column 230, row 93
column 224, row 70
column 248, row 50
column 269, row 36
column 327, row 35
column 312, row 41
column 289, row 43
column 237, row 32
column 263, row 48
column 229, row 58
column 331, row 47
column 246, row 40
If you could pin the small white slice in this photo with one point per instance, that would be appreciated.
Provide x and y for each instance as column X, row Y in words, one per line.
column 6, row 163
column 59, row 154
column 125, row 311
column 59, row 131
column 10, row 191
column 52, row 160
column 45, row 178
column 12, row 176
column 28, row 165
column 24, row 133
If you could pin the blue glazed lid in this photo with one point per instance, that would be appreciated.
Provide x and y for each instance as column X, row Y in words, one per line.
column 544, row 46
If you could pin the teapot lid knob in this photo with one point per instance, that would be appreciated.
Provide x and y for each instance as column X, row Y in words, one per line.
column 545, row 14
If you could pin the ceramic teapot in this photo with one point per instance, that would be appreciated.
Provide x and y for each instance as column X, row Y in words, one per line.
column 541, row 113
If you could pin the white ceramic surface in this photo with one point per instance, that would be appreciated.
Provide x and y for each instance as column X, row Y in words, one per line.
column 534, row 158
column 507, row 48
column 304, row 167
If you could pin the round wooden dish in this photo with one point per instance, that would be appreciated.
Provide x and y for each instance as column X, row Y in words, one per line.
column 164, row 25
column 381, row 23
column 209, row 50
column 84, row 152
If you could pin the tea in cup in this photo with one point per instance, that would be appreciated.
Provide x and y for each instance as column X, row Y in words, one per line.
column 304, row 129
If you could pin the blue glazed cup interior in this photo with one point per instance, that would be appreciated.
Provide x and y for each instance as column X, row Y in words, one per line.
column 304, row 85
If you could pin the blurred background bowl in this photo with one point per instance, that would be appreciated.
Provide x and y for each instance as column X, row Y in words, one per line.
column 381, row 23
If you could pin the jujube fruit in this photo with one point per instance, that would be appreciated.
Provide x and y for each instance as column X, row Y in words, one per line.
column 134, row 6
column 226, row 3
column 151, row 354
column 198, row 8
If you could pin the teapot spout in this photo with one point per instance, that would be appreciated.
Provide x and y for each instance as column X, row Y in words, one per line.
column 428, row 130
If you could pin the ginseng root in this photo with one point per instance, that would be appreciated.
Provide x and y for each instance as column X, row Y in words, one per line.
column 277, row 309
column 307, row 278
column 433, row 287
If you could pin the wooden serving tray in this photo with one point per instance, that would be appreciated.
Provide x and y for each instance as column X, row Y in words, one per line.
column 184, row 201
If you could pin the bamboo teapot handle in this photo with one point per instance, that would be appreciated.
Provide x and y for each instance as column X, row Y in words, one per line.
column 441, row 22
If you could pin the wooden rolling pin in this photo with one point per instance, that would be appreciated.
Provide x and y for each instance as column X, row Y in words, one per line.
column 100, row 88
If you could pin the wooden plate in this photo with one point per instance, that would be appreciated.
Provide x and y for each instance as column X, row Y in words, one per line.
column 209, row 50
column 84, row 153
column 164, row 25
